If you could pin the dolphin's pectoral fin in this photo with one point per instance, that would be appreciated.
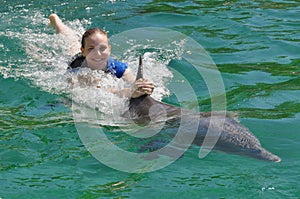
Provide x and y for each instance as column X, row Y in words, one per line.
column 153, row 145
column 161, row 147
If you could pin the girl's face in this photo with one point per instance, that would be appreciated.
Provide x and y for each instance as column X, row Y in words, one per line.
column 96, row 51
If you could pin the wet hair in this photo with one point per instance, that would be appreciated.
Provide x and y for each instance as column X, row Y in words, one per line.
column 89, row 33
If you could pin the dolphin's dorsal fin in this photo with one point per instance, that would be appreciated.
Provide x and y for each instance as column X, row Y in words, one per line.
column 140, row 69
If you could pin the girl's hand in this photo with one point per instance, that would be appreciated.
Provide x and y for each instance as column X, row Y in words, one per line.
column 142, row 87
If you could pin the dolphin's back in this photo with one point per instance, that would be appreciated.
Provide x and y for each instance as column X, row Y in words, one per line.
column 144, row 109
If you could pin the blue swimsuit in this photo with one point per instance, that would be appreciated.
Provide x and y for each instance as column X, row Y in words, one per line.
column 114, row 67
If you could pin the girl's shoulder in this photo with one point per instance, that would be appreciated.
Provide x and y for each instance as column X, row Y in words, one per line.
column 116, row 67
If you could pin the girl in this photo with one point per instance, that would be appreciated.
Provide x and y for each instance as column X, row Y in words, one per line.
column 95, row 54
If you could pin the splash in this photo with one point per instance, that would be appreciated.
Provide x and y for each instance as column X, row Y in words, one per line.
column 44, row 58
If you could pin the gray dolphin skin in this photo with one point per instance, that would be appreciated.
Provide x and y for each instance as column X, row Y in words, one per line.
column 234, row 137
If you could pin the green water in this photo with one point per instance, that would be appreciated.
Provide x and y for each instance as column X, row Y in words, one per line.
column 255, row 45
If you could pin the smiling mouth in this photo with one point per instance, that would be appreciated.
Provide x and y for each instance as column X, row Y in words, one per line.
column 97, row 60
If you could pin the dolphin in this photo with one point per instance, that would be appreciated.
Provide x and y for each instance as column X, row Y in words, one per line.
column 232, row 138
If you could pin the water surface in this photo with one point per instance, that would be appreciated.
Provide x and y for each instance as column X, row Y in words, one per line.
column 255, row 45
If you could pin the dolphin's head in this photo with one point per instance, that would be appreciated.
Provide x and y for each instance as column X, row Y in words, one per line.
column 238, row 139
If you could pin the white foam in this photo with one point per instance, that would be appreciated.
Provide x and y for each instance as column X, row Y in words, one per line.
column 46, row 62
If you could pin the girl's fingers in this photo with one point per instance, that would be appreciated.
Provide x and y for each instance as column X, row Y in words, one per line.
column 144, row 87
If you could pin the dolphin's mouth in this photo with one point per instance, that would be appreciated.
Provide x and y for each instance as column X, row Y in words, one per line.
column 279, row 160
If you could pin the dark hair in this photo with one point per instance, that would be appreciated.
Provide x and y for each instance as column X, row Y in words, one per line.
column 89, row 33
